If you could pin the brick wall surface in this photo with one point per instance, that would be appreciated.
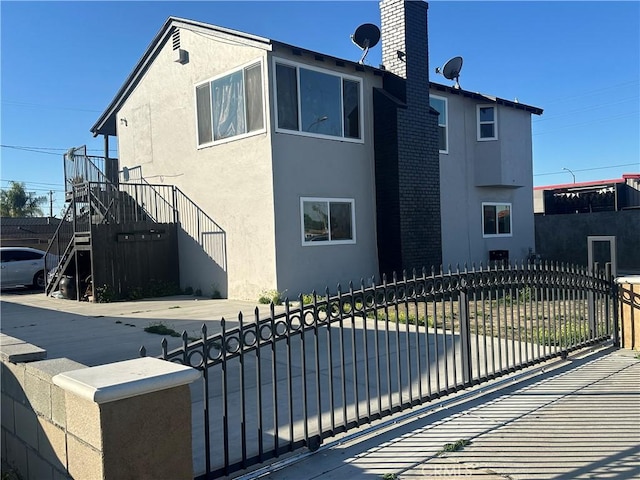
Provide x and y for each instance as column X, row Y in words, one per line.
column 404, row 29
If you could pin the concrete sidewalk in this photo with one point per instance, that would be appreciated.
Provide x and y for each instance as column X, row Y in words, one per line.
column 99, row 333
column 579, row 420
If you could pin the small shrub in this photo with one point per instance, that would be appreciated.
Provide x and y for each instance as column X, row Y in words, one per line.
column 307, row 299
column 455, row 446
column 105, row 294
column 198, row 292
column 271, row 296
column 402, row 317
column 566, row 334
column 215, row 292
column 161, row 329
column 188, row 291
column 135, row 293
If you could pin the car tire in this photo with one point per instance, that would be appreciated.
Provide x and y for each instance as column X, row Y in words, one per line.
column 39, row 281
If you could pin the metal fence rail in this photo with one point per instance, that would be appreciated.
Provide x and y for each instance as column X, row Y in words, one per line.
column 332, row 363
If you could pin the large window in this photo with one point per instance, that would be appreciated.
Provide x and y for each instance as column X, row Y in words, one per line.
column 230, row 105
column 327, row 221
column 487, row 122
column 496, row 219
column 318, row 103
column 440, row 104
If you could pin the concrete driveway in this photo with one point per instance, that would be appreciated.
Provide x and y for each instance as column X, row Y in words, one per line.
column 99, row 333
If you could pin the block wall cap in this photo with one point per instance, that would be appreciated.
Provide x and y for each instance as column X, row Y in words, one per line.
column 130, row 378
column 633, row 279
column 15, row 350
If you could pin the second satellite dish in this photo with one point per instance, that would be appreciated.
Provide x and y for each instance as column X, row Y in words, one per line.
column 366, row 36
column 451, row 70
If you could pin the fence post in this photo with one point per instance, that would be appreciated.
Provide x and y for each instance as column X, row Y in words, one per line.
column 615, row 298
column 607, row 299
column 465, row 338
column 591, row 301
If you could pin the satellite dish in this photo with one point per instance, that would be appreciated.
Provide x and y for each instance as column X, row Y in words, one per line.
column 366, row 36
column 125, row 174
column 451, row 70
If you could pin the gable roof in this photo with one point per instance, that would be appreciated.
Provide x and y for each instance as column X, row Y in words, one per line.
column 484, row 98
column 106, row 124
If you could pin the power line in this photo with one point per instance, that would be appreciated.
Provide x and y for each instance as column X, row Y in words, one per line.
column 38, row 149
column 30, row 150
column 54, row 107
column 585, row 109
column 592, row 92
column 589, row 169
column 34, row 183
column 592, row 122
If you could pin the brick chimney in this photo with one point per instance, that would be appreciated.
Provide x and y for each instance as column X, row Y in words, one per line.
column 406, row 144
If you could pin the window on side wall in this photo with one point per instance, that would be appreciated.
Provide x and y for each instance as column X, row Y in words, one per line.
column 318, row 103
column 230, row 105
column 496, row 219
column 487, row 122
column 440, row 104
column 327, row 221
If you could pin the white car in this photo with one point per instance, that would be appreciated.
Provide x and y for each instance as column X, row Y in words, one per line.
column 22, row 266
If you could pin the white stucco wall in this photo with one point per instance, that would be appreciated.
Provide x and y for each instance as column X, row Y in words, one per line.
column 231, row 182
column 474, row 172
column 327, row 168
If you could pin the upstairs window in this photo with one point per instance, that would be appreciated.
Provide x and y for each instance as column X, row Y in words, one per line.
column 496, row 219
column 230, row 105
column 327, row 220
column 318, row 103
column 440, row 104
column 487, row 123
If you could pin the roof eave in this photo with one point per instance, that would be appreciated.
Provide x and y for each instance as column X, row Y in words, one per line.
column 106, row 123
column 486, row 98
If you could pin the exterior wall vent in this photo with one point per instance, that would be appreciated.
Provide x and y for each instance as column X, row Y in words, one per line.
column 175, row 39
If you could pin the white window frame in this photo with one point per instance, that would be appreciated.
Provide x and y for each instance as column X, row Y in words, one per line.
column 494, row 123
column 265, row 119
column 328, row 201
column 497, row 204
column 446, row 124
column 297, row 66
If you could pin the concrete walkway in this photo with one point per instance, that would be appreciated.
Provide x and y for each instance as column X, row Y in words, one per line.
column 99, row 333
column 581, row 420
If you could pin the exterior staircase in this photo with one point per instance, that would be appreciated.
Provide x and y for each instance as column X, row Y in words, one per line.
column 95, row 201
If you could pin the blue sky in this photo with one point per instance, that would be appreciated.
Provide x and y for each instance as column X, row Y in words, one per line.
column 62, row 63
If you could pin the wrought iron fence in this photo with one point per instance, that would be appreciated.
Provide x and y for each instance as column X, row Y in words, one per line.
column 328, row 364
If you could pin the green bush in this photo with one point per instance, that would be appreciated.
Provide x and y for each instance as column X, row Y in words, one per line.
column 105, row 294
column 271, row 296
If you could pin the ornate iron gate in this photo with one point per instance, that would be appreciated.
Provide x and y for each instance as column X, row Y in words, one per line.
column 335, row 362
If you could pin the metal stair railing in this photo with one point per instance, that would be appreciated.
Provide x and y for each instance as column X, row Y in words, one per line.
column 202, row 228
column 193, row 220
column 59, row 253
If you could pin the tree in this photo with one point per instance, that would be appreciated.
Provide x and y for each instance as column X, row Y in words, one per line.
column 16, row 202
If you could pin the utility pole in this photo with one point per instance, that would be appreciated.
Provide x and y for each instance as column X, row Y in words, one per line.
column 50, row 203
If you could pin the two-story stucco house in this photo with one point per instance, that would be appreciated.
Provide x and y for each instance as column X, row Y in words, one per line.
column 321, row 170
column 486, row 176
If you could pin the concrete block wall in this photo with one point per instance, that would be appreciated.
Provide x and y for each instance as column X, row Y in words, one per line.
column 61, row 419
column 33, row 411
